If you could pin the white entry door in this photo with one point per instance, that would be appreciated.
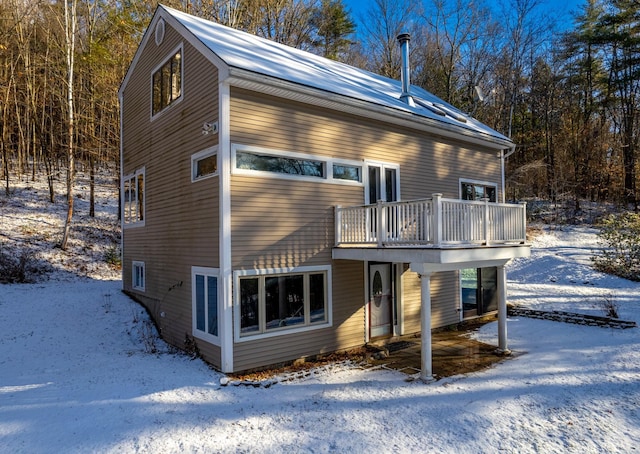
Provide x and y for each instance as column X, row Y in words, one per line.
column 380, row 300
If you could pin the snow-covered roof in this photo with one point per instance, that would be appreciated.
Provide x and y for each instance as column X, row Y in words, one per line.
column 241, row 50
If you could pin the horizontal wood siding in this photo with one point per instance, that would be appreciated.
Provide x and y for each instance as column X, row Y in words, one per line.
column 181, row 218
column 347, row 331
column 282, row 223
column 444, row 300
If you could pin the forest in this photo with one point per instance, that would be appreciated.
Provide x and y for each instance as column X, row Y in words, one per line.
column 566, row 93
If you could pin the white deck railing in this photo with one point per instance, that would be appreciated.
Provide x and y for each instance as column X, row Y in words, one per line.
column 435, row 222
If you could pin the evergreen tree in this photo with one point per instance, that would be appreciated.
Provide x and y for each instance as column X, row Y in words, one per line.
column 333, row 28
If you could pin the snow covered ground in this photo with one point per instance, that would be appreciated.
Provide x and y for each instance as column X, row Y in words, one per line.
column 76, row 375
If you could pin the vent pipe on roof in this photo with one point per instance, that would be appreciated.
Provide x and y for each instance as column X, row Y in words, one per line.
column 403, row 40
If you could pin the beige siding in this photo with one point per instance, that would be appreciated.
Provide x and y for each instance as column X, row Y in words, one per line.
column 282, row 223
column 181, row 222
column 347, row 330
column 444, row 300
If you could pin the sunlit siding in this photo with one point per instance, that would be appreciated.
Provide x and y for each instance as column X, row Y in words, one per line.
column 444, row 297
column 284, row 223
column 181, row 217
column 347, row 330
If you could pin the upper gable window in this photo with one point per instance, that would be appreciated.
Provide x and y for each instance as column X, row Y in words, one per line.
column 167, row 82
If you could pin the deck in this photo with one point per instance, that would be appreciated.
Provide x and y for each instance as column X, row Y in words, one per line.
column 450, row 232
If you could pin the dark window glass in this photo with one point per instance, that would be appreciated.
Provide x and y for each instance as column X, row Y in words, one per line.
column 284, row 301
column 167, row 83
column 206, row 166
column 200, row 317
column 249, row 299
column 279, row 164
column 317, row 298
column 212, row 305
column 345, row 172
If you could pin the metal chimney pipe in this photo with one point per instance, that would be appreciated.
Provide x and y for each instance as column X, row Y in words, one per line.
column 403, row 40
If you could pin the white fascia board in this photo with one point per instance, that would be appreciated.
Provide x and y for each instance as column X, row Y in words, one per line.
column 258, row 82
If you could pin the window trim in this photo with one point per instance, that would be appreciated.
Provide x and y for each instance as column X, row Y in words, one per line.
column 326, row 269
column 328, row 163
column 205, row 335
column 138, row 265
column 134, row 176
column 202, row 155
column 178, row 49
column 462, row 181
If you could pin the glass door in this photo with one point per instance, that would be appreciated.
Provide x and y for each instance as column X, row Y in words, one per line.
column 479, row 291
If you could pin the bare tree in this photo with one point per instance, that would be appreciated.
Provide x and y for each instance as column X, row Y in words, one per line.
column 70, row 25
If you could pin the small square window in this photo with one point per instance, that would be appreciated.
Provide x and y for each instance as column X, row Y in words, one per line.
column 204, row 164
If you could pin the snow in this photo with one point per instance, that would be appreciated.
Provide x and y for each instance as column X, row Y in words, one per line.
column 81, row 370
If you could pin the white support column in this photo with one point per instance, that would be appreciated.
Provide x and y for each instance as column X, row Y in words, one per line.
column 502, row 311
column 426, row 370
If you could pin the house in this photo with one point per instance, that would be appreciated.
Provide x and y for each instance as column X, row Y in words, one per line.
column 278, row 205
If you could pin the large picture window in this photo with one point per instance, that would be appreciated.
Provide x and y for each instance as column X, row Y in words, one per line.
column 167, row 83
column 272, row 303
column 133, row 194
column 204, row 294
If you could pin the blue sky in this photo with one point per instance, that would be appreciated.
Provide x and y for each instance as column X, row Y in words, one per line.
column 561, row 10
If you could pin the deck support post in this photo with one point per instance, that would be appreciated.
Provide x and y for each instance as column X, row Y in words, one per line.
column 502, row 311
column 426, row 369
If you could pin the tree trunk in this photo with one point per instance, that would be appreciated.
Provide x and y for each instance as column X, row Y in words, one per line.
column 70, row 20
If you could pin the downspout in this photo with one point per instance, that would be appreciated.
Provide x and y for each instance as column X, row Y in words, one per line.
column 405, row 70
column 503, row 157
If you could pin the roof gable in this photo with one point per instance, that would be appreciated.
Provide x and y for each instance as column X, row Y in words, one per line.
column 241, row 50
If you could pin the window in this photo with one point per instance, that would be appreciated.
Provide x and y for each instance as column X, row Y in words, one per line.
column 138, row 277
column 133, row 198
column 167, row 83
column 276, row 303
column 280, row 164
column 478, row 191
column 251, row 160
column 204, row 164
column 347, row 172
column 204, row 294
column 382, row 182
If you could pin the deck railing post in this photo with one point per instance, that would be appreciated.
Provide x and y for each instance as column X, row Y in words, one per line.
column 338, row 226
column 437, row 219
column 381, row 222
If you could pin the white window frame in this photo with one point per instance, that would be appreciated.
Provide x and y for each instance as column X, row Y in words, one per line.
column 205, row 335
column 202, row 155
column 326, row 269
column 127, row 220
column 476, row 182
column 171, row 55
column 327, row 162
column 383, row 189
column 138, row 273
